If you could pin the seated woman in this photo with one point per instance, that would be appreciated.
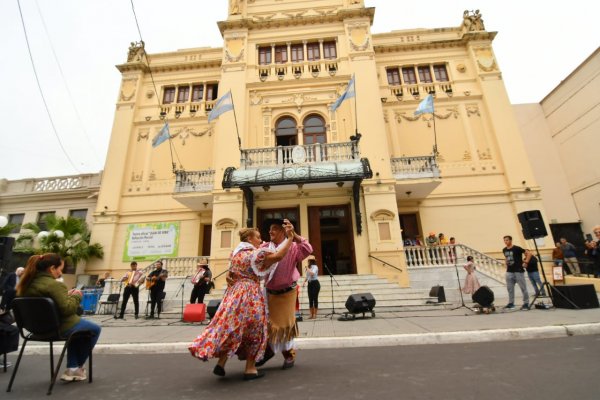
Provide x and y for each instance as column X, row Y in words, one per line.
column 40, row 280
column 240, row 324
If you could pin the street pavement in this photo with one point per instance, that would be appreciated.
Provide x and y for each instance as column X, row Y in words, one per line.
column 550, row 369
column 170, row 335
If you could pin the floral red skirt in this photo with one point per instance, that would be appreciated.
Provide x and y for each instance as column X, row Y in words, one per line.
column 239, row 326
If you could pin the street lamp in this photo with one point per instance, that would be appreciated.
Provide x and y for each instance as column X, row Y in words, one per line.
column 3, row 221
column 59, row 234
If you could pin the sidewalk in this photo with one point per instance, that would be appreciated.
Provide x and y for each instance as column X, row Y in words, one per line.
column 169, row 335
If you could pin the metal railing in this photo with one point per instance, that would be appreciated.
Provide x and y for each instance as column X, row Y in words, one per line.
column 300, row 154
column 385, row 263
column 194, row 181
column 450, row 254
column 417, row 91
column 415, row 167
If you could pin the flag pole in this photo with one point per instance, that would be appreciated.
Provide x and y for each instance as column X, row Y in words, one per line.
column 173, row 165
column 435, row 147
column 236, row 125
column 355, row 107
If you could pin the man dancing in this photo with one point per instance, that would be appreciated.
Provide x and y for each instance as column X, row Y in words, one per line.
column 133, row 279
column 281, row 294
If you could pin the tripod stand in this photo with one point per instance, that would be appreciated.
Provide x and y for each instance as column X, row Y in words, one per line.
column 331, row 280
column 550, row 289
column 462, row 300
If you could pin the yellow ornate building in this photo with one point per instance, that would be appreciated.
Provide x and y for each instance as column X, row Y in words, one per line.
column 356, row 181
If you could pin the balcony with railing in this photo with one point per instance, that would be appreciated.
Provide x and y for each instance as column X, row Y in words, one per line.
column 194, row 188
column 298, row 70
column 417, row 91
column 416, row 177
column 299, row 155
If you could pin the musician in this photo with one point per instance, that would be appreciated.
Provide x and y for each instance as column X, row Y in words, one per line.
column 155, row 283
column 132, row 280
column 201, row 281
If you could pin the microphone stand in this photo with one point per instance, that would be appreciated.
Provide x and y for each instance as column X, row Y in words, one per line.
column 331, row 280
column 462, row 300
column 116, row 305
column 182, row 291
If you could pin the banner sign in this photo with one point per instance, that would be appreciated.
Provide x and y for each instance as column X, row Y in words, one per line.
column 147, row 242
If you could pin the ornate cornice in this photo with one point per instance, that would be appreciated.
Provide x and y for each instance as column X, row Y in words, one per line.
column 425, row 44
column 171, row 67
column 298, row 19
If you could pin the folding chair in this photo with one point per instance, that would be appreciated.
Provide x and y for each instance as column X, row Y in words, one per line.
column 38, row 320
column 111, row 300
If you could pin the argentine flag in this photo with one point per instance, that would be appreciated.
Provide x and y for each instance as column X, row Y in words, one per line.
column 224, row 104
column 161, row 136
column 349, row 93
column 425, row 106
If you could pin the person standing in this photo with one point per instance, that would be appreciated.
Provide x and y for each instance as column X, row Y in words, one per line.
column 9, row 288
column 514, row 273
column 471, row 282
column 156, row 284
column 132, row 280
column 281, row 294
column 432, row 243
column 240, row 324
column 314, row 287
column 594, row 250
column 570, row 257
column 557, row 255
column 201, row 281
column 531, row 262
column 101, row 283
column 40, row 280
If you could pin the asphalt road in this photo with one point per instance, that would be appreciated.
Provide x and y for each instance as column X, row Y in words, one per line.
column 565, row 368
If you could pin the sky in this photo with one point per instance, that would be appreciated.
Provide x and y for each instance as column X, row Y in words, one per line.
column 76, row 44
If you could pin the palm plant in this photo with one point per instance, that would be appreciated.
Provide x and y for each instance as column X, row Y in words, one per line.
column 73, row 245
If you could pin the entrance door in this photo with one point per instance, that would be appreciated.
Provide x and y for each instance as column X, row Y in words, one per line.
column 409, row 225
column 331, row 235
column 206, row 239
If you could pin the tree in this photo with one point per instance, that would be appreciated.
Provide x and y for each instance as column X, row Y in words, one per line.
column 73, row 245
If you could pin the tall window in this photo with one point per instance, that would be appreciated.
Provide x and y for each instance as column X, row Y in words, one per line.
column 264, row 55
column 425, row 74
column 286, row 132
column 79, row 214
column 297, row 51
column 16, row 219
column 408, row 75
column 197, row 92
column 312, row 52
column 183, row 94
column 281, row 56
column 329, row 50
column 211, row 91
column 440, row 73
column 41, row 219
column 169, row 95
column 393, row 76
column 314, row 129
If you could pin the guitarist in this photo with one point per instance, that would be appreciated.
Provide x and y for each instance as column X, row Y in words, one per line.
column 133, row 279
column 155, row 283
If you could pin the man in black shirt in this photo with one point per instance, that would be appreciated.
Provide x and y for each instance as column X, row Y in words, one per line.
column 515, row 273
column 156, row 284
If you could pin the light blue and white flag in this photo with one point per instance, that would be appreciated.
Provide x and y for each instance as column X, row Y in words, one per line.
column 224, row 104
column 425, row 106
column 349, row 93
column 162, row 136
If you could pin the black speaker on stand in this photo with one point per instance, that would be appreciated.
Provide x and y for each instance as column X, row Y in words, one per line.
column 533, row 227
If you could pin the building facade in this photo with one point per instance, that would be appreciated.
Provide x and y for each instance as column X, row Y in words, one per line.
column 356, row 181
column 561, row 133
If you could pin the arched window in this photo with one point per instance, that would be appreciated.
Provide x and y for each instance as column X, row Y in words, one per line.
column 314, row 129
column 286, row 132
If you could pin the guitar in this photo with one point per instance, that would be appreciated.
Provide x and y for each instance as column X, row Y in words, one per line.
column 151, row 280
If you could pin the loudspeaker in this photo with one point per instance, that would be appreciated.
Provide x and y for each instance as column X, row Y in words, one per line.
column 194, row 312
column 360, row 303
column 483, row 296
column 6, row 246
column 213, row 306
column 438, row 291
column 583, row 296
column 532, row 224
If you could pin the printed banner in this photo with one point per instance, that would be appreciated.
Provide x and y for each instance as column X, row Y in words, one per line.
column 147, row 242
